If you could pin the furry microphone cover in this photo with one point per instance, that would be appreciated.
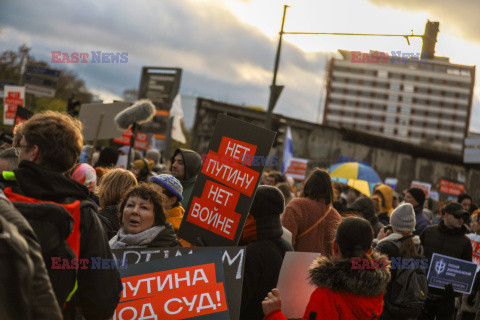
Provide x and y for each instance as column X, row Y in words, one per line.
column 140, row 112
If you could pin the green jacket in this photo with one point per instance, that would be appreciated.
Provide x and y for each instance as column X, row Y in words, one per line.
column 193, row 165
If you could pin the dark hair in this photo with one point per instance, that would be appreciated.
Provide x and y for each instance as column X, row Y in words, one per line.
column 285, row 188
column 318, row 186
column 278, row 176
column 354, row 237
column 170, row 195
column 149, row 193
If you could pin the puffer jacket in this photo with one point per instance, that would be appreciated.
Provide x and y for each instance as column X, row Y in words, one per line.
column 343, row 292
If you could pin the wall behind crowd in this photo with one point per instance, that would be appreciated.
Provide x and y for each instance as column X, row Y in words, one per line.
column 324, row 145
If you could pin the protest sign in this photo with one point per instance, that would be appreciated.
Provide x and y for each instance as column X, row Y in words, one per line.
column 293, row 283
column 444, row 270
column 22, row 115
column 90, row 114
column 141, row 139
column 297, row 168
column 450, row 187
column 475, row 240
column 434, row 195
column 392, row 182
column 422, row 185
column 223, row 191
column 233, row 259
column 13, row 96
column 186, row 287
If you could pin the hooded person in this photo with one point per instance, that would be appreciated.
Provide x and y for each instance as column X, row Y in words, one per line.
column 186, row 164
column 416, row 197
column 400, row 243
column 345, row 290
column 366, row 208
column 385, row 193
column 265, row 250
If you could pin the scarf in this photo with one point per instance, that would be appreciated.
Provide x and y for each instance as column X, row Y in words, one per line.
column 140, row 240
column 264, row 227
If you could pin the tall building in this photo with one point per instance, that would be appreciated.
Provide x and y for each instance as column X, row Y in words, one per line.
column 421, row 101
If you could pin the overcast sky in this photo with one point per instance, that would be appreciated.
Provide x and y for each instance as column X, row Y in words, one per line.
column 226, row 48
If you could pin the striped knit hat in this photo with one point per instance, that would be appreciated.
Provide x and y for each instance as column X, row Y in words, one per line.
column 170, row 183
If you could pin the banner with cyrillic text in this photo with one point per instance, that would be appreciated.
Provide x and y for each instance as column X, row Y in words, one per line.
column 225, row 187
column 186, row 287
column 233, row 259
column 446, row 270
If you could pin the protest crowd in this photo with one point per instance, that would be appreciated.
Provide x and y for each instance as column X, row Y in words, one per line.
column 64, row 204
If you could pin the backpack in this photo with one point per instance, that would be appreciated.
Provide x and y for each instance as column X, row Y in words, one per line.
column 57, row 227
column 407, row 292
column 16, row 278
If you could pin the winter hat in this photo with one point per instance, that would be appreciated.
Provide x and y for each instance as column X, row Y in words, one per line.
column 403, row 218
column 170, row 183
column 268, row 200
column 418, row 194
column 86, row 175
column 154, row 155
column 365, row 206
column 141, row 164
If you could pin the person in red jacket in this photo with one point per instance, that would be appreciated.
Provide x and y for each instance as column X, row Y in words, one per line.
column 350, row 285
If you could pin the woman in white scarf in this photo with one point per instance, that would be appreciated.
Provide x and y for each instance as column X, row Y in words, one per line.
column 144, row 222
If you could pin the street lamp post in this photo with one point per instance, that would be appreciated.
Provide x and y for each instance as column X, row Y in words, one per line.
column 275, row 90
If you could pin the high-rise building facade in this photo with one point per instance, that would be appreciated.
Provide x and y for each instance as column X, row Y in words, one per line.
column 421, row 101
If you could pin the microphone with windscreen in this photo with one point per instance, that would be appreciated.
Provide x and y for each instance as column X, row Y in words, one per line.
column 140, row 112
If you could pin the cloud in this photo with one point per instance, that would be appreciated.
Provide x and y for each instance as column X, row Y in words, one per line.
column 222, row 57
column 458, row 17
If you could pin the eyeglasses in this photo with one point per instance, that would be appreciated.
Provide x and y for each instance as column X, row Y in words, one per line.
column 18, row 148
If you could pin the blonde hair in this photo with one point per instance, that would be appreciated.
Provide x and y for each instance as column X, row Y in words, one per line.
column 114, row 185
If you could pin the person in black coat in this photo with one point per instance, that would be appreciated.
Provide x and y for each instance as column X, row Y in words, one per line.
column 26, row 293
column 50, row 145
column 265, row 250
column 447, row 238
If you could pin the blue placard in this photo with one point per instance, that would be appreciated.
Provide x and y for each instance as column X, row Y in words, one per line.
column 444, row 270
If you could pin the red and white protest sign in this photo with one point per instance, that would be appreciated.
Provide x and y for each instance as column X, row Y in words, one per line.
column 297, row 169
column 13, row 96
column 225, row 187
column 422, row 185
column 186, row 287
column 141, row 141
column 450, row 187
column 475, row 240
